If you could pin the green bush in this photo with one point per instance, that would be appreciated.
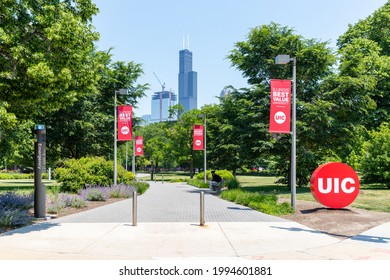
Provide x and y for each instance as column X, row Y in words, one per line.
column 231, row 195
column 375, row 161
column 14, row 176
column 17, row 176
column 232, row 184
column 225, row 175
column 140, row 186
column 198, row 183
column 75, row 174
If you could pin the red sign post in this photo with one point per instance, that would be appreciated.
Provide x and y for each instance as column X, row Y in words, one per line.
column 198, row 138
column 139, row 146
column 124, row 123
column 335, row 185
column 280, row 106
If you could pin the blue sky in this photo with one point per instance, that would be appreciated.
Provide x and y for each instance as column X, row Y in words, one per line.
column 150, row 32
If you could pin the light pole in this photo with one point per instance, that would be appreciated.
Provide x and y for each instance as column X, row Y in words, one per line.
column 133, row 158
column 204, row 149
column 284, row 59
column 121, row 92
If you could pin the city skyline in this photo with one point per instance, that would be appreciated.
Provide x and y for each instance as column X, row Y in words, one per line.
column 151, row 33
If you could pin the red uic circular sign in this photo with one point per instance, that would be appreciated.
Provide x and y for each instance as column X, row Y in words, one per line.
column 334, row 184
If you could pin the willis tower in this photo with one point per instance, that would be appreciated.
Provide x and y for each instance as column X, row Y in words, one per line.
column 188, row 90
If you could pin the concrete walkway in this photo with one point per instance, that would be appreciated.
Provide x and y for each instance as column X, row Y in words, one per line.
column 168, row 228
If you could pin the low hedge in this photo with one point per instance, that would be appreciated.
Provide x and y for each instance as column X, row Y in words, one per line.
column 225, row 175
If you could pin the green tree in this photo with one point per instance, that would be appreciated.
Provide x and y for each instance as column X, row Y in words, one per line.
column 182, row 137
column 7, row 126
column 237, row 135
column 255, row 58
column 350, row 95
column 47, row 62
column 46, row 54
column 157, row 144
column 375, row 160
column 372, row 35
column 86, row 127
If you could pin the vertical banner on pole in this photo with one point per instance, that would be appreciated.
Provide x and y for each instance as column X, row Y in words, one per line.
column 279, row 121
column 198, row 138
column 139, row 146
column 124, row 123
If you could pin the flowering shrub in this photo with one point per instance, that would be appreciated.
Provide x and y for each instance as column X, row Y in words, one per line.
column 11, row 200
column 54, row 207
column 14, row 218
column 63, row 200
column 95, row 193
column 14, row 209
column 99, row 193
column 121, row 191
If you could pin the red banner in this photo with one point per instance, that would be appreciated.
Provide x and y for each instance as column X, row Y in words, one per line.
column 198, row 138
column 124, row 123
column 139, row 146
column 279, row 121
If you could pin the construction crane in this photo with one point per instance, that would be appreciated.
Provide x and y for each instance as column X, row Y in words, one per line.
column 161, row 93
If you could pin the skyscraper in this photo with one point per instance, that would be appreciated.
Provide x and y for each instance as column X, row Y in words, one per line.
column 188, row 88
column 160, row 111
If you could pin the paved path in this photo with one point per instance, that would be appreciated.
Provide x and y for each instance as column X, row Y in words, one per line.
column 171, row 202
column 168, row 228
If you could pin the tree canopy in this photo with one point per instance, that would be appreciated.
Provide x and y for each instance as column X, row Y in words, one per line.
column 51, row 73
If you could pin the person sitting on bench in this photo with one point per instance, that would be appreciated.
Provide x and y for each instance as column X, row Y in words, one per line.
column 215, row 182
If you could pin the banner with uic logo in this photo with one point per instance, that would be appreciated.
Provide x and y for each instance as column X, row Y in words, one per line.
column 124, row 123
column 139, row 146
column 198, row 137
column 280, row 106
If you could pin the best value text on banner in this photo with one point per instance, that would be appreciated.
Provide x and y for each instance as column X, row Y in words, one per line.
column 124, row 123
column 198, row 138
column 280, row 106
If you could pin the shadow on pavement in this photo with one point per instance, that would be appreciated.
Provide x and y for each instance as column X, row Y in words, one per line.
column 31, row 228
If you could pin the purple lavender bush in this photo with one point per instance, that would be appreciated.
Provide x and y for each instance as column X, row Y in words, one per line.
column 95, row 193
column 59, row 202
column 121, row 191
column 14, row 209
column 11, row 200
column 14, row 218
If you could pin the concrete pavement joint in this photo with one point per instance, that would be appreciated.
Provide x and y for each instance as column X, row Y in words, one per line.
column 106, row 233
column 227, row 238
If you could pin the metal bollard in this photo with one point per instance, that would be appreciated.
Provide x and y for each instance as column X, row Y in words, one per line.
column 134, row 208
column 162, row 179
column 202, row 208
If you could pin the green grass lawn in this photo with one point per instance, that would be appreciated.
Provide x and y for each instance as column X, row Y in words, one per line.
column 23, row 184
